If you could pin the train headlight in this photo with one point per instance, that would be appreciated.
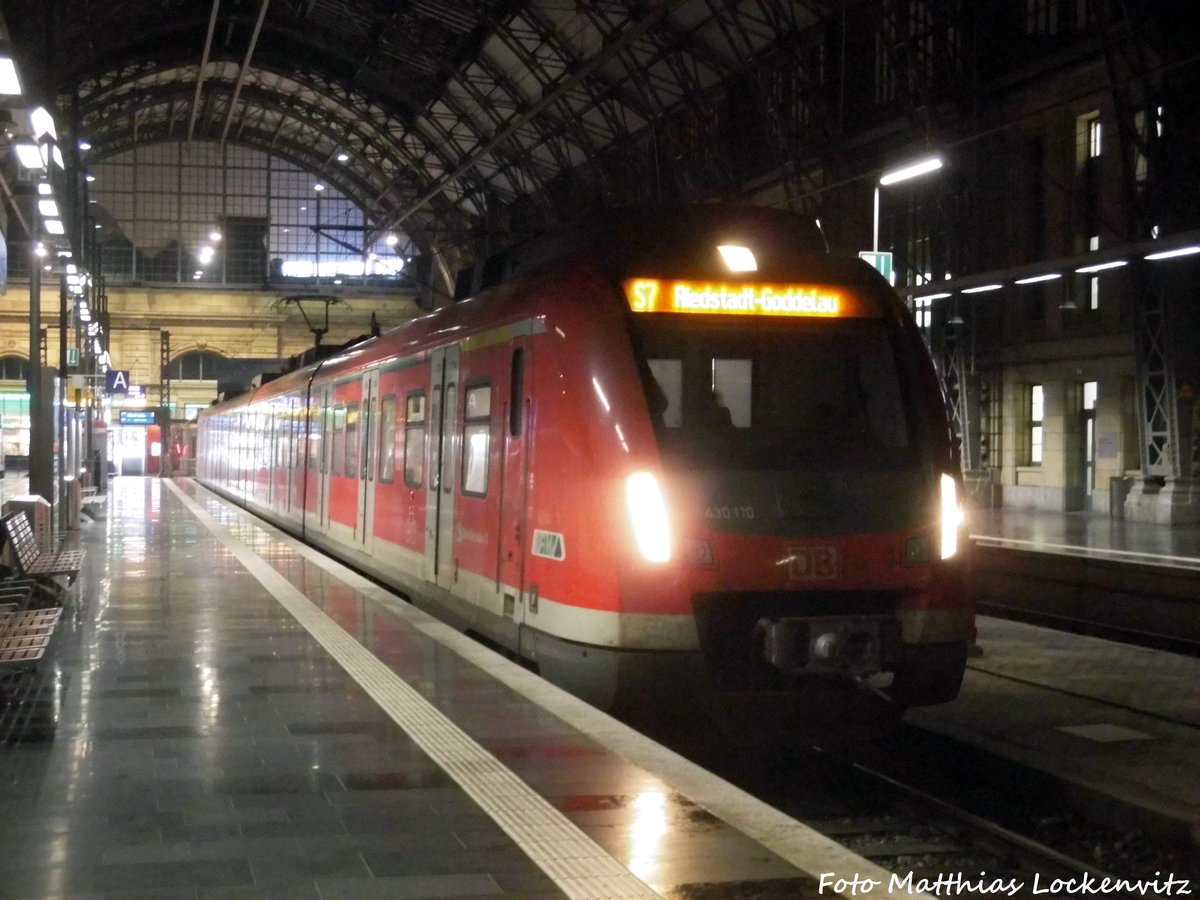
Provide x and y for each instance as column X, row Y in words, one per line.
column 952, row 516
column 648, row 513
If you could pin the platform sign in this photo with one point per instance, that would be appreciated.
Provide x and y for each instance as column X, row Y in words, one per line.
column 137, row 417
column 881, row 261
column 116, row 381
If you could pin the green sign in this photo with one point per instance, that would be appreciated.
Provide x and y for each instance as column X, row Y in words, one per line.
column 880, row 261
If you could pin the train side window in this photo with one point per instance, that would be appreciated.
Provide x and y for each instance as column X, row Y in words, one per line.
column 516, row 399
column 352, row 440
column 314, row 437
column 387, row 439
column 477, row 433
column 449, row 421
column 337, row 456
column 731, row 380
column 414, row 439
column 668, row 373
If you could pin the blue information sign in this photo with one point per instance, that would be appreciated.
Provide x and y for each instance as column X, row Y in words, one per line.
column 137, row 417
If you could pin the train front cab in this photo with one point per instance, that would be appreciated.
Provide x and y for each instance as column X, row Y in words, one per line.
column 811, row 491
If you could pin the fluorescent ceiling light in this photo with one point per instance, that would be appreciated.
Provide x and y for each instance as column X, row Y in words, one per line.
column 738, row 258
column 9, row 82
column 1034, row 279
column 921, row 167
column 1100, row 267
column 45, row 189
column 941, row 296
column 981, row 288
column 54, row 226
column 1171, row 254
column 43, row 123
column 29, row 155
column 48, row 208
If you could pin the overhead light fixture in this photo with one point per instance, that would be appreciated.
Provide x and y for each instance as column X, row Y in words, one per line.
column 55, row 226
column 89, row 177
column 29, row 154
column 912, row 170
column 392, row 240
column 1171, row 254
column 44, row 189
column 955, row 319
column 979, row 289
column 1100, row 267
column 84, row 145
column 48, row 208
column 214, row 235
column 39, row 250
column 43, row 123
column 930, row 297
column 1034, row 279
column 9, row 82
column 738, row 258
column 343, row 157
column 318, row 186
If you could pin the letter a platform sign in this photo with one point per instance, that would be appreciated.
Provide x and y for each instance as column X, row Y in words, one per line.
column 116, row 381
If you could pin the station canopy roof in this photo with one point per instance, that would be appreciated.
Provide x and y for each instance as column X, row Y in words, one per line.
column 429, row 114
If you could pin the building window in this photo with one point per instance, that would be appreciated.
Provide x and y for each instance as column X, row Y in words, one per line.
column 1088, row 137
column 195, row 365
column 14, row 368
column 1036, row 409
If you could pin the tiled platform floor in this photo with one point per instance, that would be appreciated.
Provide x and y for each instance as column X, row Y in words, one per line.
column 190, row 738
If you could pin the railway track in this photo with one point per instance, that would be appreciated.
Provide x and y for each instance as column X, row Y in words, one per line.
column 942, row 817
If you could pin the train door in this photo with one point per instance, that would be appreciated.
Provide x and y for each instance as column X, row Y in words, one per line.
column 439, row 510
column 510, row 576
column 326, row 448
column 364, row 524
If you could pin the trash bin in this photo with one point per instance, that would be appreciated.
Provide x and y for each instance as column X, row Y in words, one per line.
column 1118, row 490
column 73, row 497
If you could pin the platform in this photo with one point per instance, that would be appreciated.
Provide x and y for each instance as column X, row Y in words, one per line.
column 229, row 714
column 1087, row 534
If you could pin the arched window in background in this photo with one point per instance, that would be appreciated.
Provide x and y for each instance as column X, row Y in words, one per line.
column 195, row 365
column 14, row 368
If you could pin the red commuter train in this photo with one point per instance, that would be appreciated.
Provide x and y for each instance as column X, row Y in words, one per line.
column 675, row 449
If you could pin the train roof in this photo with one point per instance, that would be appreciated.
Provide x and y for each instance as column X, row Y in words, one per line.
column 681, row 238
column 625, row 243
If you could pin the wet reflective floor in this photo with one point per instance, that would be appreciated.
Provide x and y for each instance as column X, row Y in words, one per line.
column 188, row 736
column 1088, row 534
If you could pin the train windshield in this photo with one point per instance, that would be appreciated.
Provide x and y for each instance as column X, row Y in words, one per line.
column 822, row 394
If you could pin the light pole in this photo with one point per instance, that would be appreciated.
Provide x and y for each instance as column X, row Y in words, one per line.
column 904, row 173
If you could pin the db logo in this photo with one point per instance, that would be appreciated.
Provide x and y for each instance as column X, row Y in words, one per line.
column 812, row 563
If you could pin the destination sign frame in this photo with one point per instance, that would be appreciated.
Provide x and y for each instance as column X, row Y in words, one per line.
column 657, row 295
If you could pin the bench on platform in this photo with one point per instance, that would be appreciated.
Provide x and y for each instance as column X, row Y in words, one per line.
column 33, row 561
column 25, row 633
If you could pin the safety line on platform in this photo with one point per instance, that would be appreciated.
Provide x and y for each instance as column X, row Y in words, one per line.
column 803, row 847
column 577, row 864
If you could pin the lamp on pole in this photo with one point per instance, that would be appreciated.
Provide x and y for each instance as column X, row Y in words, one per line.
column 910, row 170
